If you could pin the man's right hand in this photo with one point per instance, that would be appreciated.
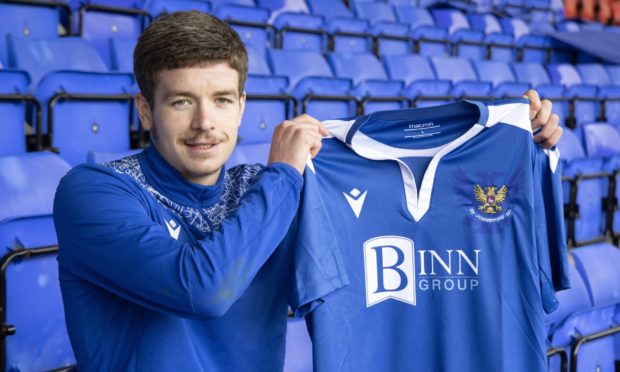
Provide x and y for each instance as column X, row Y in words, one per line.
column 295, row 139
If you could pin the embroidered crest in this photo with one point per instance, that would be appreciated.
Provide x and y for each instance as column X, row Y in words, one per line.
column 490, row 199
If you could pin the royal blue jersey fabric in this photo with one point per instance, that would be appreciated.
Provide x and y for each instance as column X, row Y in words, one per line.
column 158, row 274
column 451, row 225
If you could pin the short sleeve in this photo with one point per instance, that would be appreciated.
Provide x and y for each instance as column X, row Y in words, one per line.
column 317, row 265
column 550, row 230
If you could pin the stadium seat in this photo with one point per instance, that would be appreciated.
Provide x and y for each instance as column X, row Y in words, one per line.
column 13, row 102
column 532, row 47
column 464, row 80
column 87, row 112
column 390, row 35
column 614, row 74
column 501, row 45
column 329, row 9
column 121, row 54
column 267, row 103
column 586, row 103
column 159, row 7
column 538, row 78
column 251, row 24
column 216, row 3
column 371, row 81
column 584, row 188
column 299, row 31
column 416, row 72
column 429, row 39
column 501, row 76
column 97, row 157
column 574, row 307
column 595, row 74
column 39, row 57
column 30, row 21
column 349, row 35
column 99, row 23
column 598, row 265
column 298, row 357
column 34, row 333
column 466, row 42
column 601, row 140
column 312, row 82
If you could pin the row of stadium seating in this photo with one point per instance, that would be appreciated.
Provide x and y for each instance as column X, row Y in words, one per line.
column 320, row 25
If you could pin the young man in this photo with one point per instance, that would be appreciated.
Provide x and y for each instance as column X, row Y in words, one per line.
column 168, row 262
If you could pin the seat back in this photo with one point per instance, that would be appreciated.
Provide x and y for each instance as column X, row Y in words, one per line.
column 12, row 112
column 375, row 11
column 296, row 65
column 594, row 73
column 121, row 54
column 33, row 304
column 39, row 57
column 357, row 67
column 159, row 7
column 601, row 139
column 454, row 69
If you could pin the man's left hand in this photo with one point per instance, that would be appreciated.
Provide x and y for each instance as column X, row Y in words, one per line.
column 542, row 117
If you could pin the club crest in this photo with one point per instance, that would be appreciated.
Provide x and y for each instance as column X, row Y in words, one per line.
column 490, row 199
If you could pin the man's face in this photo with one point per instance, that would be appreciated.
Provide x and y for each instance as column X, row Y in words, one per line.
column 194, row 122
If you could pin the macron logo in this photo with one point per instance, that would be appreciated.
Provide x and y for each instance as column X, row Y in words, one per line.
column 173, row 228
column 356, row 200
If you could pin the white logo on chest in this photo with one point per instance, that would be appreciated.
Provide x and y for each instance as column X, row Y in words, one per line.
column 173, row 228
column 355, row 198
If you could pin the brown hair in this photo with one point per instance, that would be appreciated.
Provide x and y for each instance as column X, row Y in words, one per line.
column 186, row 39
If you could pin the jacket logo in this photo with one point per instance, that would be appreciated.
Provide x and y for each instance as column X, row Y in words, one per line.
column 173, row 228
column 490, row 199
column 356, row 198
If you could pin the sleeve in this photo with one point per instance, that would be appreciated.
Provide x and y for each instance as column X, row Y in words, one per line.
column 550, row 231
column 107, row 237
column 317, row 269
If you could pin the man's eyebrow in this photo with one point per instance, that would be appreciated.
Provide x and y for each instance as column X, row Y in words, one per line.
column 178, row 93
column 227, row 92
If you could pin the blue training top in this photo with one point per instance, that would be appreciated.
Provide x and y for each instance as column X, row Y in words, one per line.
column 160, row 274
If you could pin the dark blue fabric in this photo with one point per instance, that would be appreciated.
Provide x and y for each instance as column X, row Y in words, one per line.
column 605, row 45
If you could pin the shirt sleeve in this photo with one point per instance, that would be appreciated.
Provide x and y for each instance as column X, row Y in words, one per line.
column 108, row 237
column 317, row 268
column 550, row 231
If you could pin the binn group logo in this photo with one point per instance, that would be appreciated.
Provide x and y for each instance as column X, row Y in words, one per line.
column 394, row 269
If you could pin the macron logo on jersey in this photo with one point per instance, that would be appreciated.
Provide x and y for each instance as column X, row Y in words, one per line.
column 173, row 228
column 356, row 198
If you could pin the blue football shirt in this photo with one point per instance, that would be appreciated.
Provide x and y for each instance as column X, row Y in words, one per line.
column 450, row 220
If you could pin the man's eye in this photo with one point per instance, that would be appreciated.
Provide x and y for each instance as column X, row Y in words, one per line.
column 181, row 102
column 222, row 100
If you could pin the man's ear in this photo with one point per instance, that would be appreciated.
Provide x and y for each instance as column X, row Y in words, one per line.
column 144, row 111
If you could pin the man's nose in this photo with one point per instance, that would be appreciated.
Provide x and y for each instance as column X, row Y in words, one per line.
column 203, row 118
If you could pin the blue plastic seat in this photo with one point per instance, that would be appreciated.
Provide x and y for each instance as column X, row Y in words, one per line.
column 349, row 35
column 32, row 304
column 538, row 78
column 216, row 3
column 421, row 83
column 501, row 76
column 13, row 112
column 466, row 42
column 100, row 25
column 312, row 82
column 501, row 45
column 39, row 57
column 251, row 24
column 299, row 31
column 598, row 265
column 371, row 81
column 532, row 47
column 585, row 215
column 392, row 36
column 121, row 54
column 463, row 77
column 298, row 357
column 601, row 139
column 159, row 7
column 28, row 21
column 91, row 112
column 614, row 74
column 430, row 40
column 329, row 9
column 587, row 107
column 595, row 74
column 573, row 309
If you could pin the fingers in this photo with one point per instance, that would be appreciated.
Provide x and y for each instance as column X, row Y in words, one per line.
column 295, row 139
column 305, row 118
column 553, row 139
column 543, row 115
column 535, row 103
column 547, row 129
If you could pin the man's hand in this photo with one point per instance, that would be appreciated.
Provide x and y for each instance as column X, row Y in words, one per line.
column 295, row 139
column 541, row 116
